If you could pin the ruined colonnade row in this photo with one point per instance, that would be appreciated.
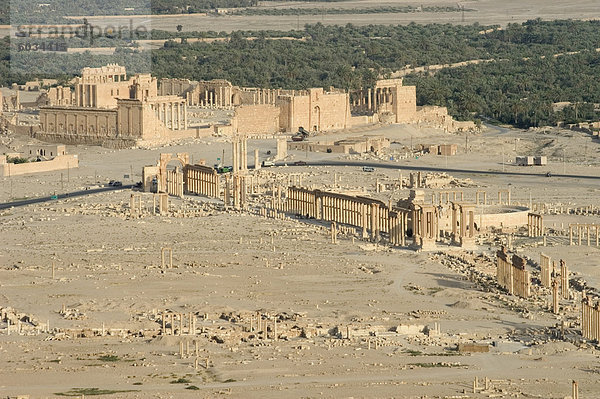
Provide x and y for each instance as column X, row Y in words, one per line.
column 202, row 180
column 590, row 319
column 239, row 149
column 372, row 216
column 511, row 274
column 375, row 217
column 546, row 272
column 535, row 225
column 173, row 114
column 584, row 229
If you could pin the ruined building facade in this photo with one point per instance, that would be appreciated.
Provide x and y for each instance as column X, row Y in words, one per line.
column 108, row 108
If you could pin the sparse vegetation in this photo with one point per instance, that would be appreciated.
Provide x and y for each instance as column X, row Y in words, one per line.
column 109, row 358
column 181, row 380
column 330, row 11
column 91, row 392
column 431, row 365
column 528, row 74
column 16, row 160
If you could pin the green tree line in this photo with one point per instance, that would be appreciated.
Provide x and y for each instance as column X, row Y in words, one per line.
column 519, row 87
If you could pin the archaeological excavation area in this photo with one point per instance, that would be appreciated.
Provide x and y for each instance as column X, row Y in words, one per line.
column 392, row 273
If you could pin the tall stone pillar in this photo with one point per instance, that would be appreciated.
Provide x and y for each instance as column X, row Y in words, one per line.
column 235, row 153
column 172, row 124
column 185, row 125
column 374, row 221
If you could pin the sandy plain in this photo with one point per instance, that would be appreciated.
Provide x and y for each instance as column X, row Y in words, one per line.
column 231, row 265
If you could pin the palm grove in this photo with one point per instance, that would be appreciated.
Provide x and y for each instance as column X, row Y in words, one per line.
column 528, row 69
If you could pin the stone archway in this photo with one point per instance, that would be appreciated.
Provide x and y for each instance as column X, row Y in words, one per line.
column 316, row 119
column 176, row 182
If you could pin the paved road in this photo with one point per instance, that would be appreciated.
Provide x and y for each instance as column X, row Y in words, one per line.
column 80, row 193
column 438, row 169
column 320, row 163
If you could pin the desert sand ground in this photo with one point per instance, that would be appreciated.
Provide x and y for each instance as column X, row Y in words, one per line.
column 229, row 265
column 486, row 12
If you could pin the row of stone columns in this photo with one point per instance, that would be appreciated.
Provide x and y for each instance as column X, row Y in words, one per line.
column 584, row 229
column 349, row 211
column 172, row 114
column 163, row 203
column 218, row 97
column 370, row 216
column 398, row 227
column 415, row 180
column 239, row 191
column 545, row 270
column 276, row 200
column 262, row 325
column 202, row 180
column 372, row 98
column 181, row 318
column 135, row 205
column 264, row 96
column 301, row 201
column 175, row 182
column 444, row 197
column 512, row 277
column 504, row 275
column 239, row 149
column 535, row 225
column 507, row 196
column 590, row 319
column 478, row 196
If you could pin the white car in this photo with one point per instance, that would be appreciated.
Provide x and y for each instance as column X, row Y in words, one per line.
column 267, row 164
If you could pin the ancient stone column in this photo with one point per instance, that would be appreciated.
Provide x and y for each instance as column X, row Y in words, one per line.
column 588, row 234
column 333, row 233
column 235, row 152
column 244, row 153
column 364, row 220
column 570, row 235
column 256, row 160
column 564, row 276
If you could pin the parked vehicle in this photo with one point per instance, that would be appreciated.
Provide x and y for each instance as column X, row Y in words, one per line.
column 301, row 135
column 368, row 169
column 267, row 164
